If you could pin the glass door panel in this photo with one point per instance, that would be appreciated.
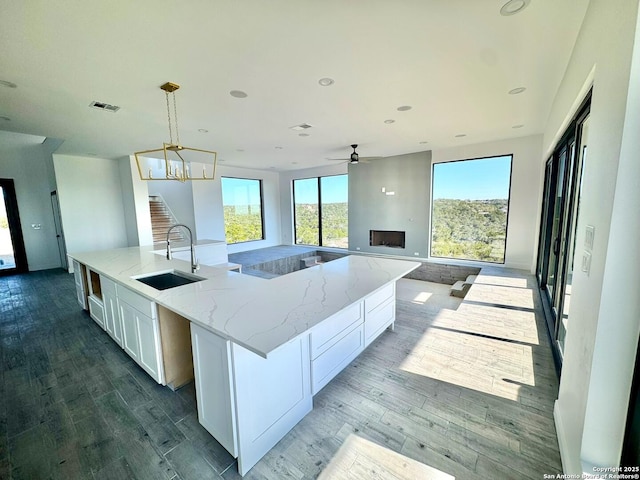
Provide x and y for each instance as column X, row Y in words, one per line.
column 558, row 223
column 13, row 256
column 545, row 229
column 7, row 251
column 557, row 195
column 574, row 212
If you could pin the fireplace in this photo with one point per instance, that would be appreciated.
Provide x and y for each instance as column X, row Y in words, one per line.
column 386, row 238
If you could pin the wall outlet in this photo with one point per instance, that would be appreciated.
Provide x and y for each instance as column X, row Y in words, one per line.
column 417, row 254
column 36, row 226
column 390, row 193
column 384, row 189
column 357, row 248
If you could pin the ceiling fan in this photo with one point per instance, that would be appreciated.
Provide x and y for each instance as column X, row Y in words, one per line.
column 354, row 158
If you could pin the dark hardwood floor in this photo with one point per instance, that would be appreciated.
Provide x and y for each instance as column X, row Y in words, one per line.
column 466, row 392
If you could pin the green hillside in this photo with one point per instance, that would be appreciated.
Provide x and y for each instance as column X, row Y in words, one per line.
column 469, row 229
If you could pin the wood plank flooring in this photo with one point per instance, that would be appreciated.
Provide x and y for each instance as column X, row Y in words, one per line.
column 458, row 390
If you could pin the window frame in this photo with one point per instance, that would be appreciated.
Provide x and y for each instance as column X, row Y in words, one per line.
column 260, row 186
column 319, row 186
column 506, row 227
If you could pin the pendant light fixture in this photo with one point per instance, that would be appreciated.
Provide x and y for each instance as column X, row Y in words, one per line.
column 175, row 161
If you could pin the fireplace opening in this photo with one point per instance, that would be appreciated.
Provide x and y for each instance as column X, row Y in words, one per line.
column 386, row 238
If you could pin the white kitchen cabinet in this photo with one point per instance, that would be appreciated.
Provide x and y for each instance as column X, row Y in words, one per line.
column 272, row 395
column 112, row 321
column 247, row 402
column 130, row 343
column 81, row 283
column 379, row 312
column 150, row 353
column 96, row 310
column 214, row 391
column 334, row 343
column 141, row 332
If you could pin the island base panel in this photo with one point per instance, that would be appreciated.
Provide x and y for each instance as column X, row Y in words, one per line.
column 272, row 395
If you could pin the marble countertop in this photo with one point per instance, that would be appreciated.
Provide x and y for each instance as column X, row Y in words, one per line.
column 256, row 313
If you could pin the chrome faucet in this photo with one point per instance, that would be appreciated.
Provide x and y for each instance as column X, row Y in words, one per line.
column 194, row 263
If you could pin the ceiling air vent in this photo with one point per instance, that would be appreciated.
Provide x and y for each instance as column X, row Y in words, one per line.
column 104, row 106
column 302, row 126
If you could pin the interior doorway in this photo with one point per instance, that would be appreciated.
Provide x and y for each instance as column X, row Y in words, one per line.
column 13, row 257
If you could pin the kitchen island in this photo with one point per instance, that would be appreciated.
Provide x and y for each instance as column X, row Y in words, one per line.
column 260, row 348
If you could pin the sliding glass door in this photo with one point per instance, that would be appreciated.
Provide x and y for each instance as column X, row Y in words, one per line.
column 13, row 256
column 560, row 209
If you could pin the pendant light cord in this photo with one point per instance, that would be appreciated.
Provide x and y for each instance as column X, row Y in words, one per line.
column 169, row 116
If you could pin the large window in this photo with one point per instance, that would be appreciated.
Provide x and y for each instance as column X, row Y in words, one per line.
column 470, row 208
column 242, row 203
column 320, row 211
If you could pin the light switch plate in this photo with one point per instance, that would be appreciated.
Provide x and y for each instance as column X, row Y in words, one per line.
column 589, row 235
column 586, row 262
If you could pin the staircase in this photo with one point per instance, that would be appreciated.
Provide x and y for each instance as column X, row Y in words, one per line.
column 161, row 220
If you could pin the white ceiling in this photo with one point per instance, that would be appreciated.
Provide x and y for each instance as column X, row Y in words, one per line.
column 453, row 61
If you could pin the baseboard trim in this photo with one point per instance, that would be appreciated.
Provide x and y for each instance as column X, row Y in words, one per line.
column 569, row 465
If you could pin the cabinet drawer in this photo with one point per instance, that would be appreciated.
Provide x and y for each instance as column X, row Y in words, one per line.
column 96, row 310
column 376, row 299
column 143, row 305
column 327, row 333
column 376, row 321
column 331, row 362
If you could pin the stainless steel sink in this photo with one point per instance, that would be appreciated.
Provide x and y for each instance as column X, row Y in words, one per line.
column 168, row 279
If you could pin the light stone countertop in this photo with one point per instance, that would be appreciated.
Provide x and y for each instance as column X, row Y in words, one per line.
column 258, row 314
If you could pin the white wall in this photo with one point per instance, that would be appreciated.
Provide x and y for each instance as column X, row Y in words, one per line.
column 25, row 160
column 525, row 197
column 91, row 203
column 408, row 210
column 135, row 199
column 602, row 55
column 178, row 196
column 286, row 189
column 209, row 215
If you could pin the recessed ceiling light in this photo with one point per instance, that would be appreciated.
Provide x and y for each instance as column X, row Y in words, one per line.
column 221, row 160
column 279, row 148
column 516, row 91
column 404, row 108
column 91, row 154
column 294, row 163
column 460, row 135
column 6, row 119
column 4, row 83
column 203, row 130
column 238, row 94
column 240, row 150
column 518, row 126
column 389, row 121
column 325, row 82
column 303, row 134
column 423, row 142
column 513, row 6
